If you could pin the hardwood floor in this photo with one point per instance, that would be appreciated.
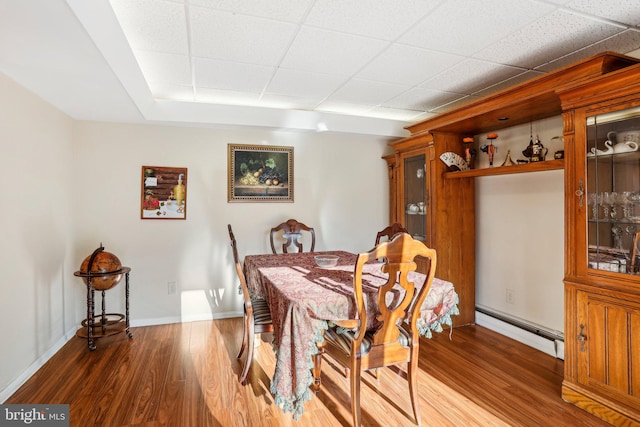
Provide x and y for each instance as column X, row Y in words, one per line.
column 187, row 375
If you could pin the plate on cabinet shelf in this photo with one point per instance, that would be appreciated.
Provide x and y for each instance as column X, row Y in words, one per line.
column 454, row 161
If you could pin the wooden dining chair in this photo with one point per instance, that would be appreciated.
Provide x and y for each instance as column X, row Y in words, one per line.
column 390, row 231
column 395, row 338
column 292, row 233
column 257, row 316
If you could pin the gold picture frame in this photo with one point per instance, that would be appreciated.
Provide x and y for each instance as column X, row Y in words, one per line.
column 164, row 193
column 259, row 173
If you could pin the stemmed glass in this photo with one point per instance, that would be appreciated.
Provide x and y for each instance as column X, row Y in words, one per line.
column 623, row 200
column 609, row 204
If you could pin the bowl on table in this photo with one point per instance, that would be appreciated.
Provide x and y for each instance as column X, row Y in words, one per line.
column 326, row 261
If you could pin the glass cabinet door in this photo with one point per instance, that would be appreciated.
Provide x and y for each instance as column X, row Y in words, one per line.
column 613, row 191
column 415, row 203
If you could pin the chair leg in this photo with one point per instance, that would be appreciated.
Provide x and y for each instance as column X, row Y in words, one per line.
column 245, row 337
column 355, row 393
column 412, row 367
column 317, row 368
column 247, row 363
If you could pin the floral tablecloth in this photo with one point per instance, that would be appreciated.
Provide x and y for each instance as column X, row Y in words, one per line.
column 303, row 298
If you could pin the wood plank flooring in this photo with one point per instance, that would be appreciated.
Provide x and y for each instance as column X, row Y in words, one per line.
column 186, row 375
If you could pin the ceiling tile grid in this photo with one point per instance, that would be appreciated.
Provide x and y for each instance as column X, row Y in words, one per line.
column 396, row 59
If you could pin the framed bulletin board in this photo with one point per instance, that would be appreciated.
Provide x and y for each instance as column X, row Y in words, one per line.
column 164, row 193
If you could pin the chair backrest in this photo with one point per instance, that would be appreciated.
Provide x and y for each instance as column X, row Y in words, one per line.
column 398, row 255
column 239, row 270
column 390, row 231
column 292, row 233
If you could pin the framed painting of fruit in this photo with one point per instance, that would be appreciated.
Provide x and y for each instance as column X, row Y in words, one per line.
column 164, row 193
column 260, row 173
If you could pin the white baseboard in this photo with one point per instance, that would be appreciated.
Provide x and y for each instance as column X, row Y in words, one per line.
column 40, row 361
column 553, row 348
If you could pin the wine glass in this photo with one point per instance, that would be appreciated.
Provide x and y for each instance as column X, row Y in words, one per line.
column 608, row 203
column 623, row 200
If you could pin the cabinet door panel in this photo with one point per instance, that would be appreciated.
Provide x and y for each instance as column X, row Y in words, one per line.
column 610, row 361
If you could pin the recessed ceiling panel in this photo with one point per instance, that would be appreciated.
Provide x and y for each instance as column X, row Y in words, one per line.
column 553, row 36
column 241, row 38
column 378, row 19
column 626, row 41
column 464, row 27
column 330, row 52
column 214, row 74
column 420, row 99
column 303, row 84
column 406, row 65
column 470, row 75
column 280, row 10
column 370, row 92
column 623, row 11
column 153, row 25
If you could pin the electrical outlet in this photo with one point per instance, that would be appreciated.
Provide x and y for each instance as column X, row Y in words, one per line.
column 172, row 288
column 511, row 298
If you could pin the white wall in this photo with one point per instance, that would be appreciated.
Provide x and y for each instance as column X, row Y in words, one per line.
column 69, row 186
column 340, row 185
column 520, row 232
column 38, row 296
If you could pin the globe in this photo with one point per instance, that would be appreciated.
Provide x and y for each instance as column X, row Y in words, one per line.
column 103, row 262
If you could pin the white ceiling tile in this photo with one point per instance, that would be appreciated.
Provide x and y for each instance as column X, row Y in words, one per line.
column 624, row 42
column 165, row 68
column 329, row 52
column 520, row 78
column 422, row 99
column 407, row 65
column 367, row 91
column 281, row 10
column 303, row 84
column 153, row 25
column 214, row 74
column 470, row 75
column 475, row 24
column 455, row 104
column 378, row 19
column 232, row 37
column 555, row 35
column 624, row 11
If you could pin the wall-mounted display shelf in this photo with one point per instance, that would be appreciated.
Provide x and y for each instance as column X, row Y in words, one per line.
column 546, row 165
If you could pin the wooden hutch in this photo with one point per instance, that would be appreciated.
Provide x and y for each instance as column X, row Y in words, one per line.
column 602, row 308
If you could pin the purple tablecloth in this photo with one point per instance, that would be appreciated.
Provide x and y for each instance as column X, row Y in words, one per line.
column 303, row 298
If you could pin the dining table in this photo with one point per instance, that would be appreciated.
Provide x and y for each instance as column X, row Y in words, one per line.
column 305, row 300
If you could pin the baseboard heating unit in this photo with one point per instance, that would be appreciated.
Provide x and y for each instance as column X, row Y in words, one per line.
column 536, row 336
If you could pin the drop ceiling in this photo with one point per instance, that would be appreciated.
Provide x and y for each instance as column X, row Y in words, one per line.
column 368, row 67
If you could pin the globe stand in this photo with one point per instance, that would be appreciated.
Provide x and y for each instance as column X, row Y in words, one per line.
column 105, row 324
column 102, row 271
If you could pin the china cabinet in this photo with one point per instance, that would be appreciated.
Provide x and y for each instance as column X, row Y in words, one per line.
column 599, row 101
column 448, row 222
column 602, row 223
